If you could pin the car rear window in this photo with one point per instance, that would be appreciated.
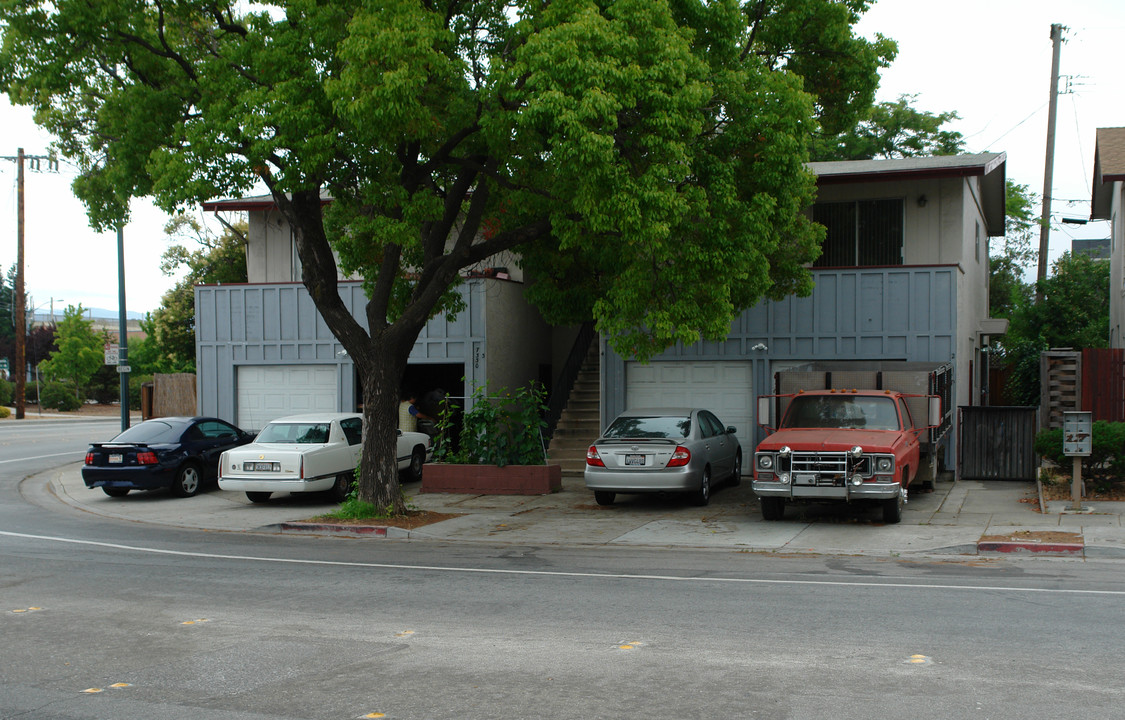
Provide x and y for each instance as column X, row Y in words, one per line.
column 656, row 426
column 295, row 433
column 151, row 431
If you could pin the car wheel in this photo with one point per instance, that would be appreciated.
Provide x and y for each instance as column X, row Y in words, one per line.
column 413, row 471
column 257, row 497
column 892, row 509
column 736, row 475
column 702, row 496
column 188, row 480
column 772, row 508
column 343, row 487
column 604, row 497
column 115, row 492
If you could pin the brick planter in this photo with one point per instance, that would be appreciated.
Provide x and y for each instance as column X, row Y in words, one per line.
column 492, row 480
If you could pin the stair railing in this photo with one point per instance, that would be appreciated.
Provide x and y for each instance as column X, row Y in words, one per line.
column 564, row 381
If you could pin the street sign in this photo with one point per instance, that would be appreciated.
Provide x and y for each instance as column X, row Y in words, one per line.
column 122, row 369
column 112, row 354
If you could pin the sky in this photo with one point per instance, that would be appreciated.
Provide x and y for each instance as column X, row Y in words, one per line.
column 988, row 60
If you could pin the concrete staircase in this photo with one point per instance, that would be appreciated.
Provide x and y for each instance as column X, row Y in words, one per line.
column 580, row 423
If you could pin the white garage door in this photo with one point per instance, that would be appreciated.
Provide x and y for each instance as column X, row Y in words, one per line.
column 724, row 388
column 266, row 392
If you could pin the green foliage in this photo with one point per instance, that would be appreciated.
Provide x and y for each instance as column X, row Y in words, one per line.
column 170, row 343
column 135, row 382
column 105, row 386
column 7, row 392
column 80, row 350
column 501, row 429
column 5, row 412
column 645, row 158
column 892, row 130
column 59, row 396
column 1106, row 463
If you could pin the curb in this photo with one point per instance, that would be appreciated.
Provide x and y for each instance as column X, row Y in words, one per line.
column 997, row 546
column 377, row 531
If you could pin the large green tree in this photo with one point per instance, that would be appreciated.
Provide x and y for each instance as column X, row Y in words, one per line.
column 894, row 129
column 646, row 157
column 80, row 350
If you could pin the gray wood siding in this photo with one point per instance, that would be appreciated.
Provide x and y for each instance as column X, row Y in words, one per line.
column 278, row 324
column 899, row 313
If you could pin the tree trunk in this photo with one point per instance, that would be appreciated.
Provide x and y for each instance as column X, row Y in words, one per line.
column 378, row 479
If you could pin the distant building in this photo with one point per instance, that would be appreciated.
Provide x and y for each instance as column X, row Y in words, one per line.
column 1099, row 249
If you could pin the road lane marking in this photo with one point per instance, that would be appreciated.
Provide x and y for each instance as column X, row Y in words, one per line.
column 562, row 574
column 79, row 453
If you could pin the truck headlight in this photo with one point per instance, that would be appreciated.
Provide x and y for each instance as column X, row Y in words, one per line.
column 765, row 462
column 884, row 464
column 857, row 452
column 783, row 478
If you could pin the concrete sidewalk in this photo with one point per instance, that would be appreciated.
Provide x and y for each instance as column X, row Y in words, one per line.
column 967, row 517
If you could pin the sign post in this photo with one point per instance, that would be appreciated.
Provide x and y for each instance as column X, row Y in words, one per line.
column 1078, row 442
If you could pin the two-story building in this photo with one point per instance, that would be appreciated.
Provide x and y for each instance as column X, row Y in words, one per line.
column 903, row 279
column 1107, row 203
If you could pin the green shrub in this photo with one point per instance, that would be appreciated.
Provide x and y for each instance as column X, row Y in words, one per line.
column 7, row 392
column 1106, row 463
column 59, row 396
column 135, row 382
column 501, row 429
column 5, row 412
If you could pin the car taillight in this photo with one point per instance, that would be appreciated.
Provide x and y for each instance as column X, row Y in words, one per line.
column 592, row 457
column 146, row 458
column 681, row 457
column 301, row 470
column 89, row 458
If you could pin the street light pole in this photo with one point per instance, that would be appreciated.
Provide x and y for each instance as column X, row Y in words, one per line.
column 122, row 331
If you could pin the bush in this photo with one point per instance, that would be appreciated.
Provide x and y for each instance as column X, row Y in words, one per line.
column 135, row 383
column 5, row 412
column 59, row 396
column 502, row 429
column 1106, row 462
column 7, row 392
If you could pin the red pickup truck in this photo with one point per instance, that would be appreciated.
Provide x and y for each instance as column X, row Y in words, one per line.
column 840, row 445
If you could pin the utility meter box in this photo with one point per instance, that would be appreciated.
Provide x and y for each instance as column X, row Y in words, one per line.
column 1078, row 433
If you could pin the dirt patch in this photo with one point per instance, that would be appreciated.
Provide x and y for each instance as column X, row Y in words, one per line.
column 1057, row 487
column 1047, row 537
column 411, row 520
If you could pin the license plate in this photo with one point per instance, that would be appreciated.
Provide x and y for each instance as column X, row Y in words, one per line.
column 260, row 466
column 634, row 459
column 804, row 479
column 115, row 458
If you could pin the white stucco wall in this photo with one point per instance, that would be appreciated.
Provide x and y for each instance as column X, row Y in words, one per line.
column 1117, row 268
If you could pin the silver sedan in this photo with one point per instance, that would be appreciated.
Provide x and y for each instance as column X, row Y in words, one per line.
column 663, row 450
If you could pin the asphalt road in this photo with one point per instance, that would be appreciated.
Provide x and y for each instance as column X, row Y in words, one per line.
column 110, row 619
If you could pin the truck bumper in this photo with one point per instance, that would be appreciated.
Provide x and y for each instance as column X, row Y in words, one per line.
column 848, row 493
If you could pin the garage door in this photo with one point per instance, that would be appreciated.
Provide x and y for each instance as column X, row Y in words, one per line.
column 724, row 388
column 266, row 392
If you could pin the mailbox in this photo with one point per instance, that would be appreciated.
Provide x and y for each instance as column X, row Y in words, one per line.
column 1078, row 433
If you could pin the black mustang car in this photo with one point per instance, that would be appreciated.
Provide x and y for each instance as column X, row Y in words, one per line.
column 178, row 453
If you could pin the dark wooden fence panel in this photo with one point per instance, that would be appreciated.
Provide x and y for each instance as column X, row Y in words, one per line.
column 997, row 443
column 1103, row 383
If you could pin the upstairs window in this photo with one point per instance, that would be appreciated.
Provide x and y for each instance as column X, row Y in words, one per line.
column 860, row 233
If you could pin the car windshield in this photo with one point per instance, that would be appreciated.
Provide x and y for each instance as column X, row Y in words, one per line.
column 151, row 431
column 842, row 411
column 654, row 426
column 295, row 433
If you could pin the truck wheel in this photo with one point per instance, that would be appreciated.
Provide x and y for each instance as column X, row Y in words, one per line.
column 772, row 508
column 892, row 509
column 702, row 496
column 604, row 497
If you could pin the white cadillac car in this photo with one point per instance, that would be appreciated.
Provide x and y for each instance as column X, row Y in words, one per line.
column 310, row 453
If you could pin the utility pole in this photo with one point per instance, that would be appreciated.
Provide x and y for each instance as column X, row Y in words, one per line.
column 19, row 301
column 1049, row 165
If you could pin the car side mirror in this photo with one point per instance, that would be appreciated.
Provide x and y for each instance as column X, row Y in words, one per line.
column 731, row 430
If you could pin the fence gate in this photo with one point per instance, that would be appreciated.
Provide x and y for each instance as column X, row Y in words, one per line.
column 996, row 443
